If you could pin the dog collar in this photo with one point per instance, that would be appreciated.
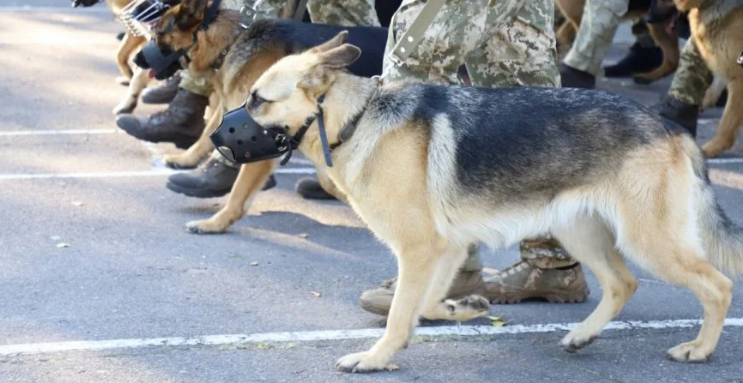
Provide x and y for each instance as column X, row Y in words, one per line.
column 217, row 64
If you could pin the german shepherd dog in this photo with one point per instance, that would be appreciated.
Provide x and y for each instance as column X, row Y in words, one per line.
column 249, row 54
column 667, row 41
column 135, row 79
column 431, row 169
column 717, row 30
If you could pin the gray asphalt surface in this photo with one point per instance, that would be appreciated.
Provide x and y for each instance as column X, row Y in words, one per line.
column 132, row 271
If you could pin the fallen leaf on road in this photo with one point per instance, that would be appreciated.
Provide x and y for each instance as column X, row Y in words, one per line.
column 392, row 367
column 315, row 293
column 77, row 203
column 254, row 263
column 303, row 235
column 62, row 245
column 497, row 321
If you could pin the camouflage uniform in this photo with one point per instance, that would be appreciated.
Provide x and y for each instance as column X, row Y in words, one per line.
column 692, row 77
column 600, row 21
column 510, row 43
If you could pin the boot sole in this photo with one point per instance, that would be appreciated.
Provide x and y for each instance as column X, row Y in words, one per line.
column 196, row 193
column 551, row 297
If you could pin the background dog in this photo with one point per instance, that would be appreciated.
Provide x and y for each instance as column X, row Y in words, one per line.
column 249, row 55
column 717, row 28
column 431, row 169
column 665, row 39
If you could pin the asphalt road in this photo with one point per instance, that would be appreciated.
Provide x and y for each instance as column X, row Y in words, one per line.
column 131, row 271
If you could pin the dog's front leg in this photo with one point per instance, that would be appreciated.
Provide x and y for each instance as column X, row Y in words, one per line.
column 249, row 182
column 416, row 266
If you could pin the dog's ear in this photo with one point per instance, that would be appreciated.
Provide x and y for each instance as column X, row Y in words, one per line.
column 335, row 42
column 340, row 57
column 190, row 14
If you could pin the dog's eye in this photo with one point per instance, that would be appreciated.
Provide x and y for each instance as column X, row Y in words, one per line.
column 258, row 100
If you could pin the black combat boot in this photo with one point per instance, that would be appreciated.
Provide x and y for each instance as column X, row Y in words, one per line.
column 639, row 60
column 680, row 112
column 163, row 94
column 574, row 78
column 181, row 124
column 213, row 178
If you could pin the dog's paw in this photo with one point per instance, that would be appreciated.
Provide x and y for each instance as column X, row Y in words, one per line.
column 576, row 340
column 715, row 147
column 360, row 362
column 121, row 80
column 179, row 161
column 125, row 107
column 467, row 308
column 205, row 227
column 689, row 352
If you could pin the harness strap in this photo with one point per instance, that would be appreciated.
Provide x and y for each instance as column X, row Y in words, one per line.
column 410, row 39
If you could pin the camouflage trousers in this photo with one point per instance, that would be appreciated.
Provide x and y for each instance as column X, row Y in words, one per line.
column 600, row 21
column 692, row 78
column 336, row 12
column 509, row 43
column 502, row 43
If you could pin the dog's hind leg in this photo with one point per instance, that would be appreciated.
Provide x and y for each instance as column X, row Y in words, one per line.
column 589, row 241
column 436, row 306
column 417, row 264
column 139, row 82
column 731, row 120
column 659, row 227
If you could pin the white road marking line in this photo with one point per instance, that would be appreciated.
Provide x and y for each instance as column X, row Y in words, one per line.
column 310, row 336
column 725, row 161
column 27, row 8
column 56, row 132
column 143, row 173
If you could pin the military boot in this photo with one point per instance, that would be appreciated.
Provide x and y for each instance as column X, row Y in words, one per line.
column 213, row 178
column 680, row 112
column 378, row 301
column 524, row 280
column 574, row 78
column 163, row 94
column 310, row 188
column 639, row 60
column 181, row 124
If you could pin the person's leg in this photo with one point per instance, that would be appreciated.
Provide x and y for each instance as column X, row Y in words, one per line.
column 598, row 26
column 348, row 13
column 522, row 53
column 336, row 12
column 692, row 78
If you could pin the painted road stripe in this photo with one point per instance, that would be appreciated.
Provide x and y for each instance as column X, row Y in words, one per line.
column 723, row 161
column 56, row 132
column 144, row 173
column 310, row 336
column 27, row 8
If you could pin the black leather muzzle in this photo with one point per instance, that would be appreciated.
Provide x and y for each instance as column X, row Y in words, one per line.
column 240, row 139
column 163, row 62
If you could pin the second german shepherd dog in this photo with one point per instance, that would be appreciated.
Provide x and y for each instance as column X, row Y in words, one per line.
column 249, row 53
column 431, row 169
column 717, row 31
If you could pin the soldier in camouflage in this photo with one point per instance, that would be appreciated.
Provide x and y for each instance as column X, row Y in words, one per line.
column 685, row 96
column 506, row 43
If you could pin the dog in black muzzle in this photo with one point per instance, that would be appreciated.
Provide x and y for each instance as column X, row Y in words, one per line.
column 231, row 52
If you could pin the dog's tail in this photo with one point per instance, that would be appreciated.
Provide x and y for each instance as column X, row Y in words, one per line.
column 722, row 239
